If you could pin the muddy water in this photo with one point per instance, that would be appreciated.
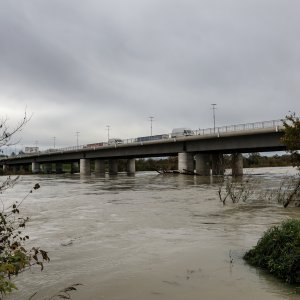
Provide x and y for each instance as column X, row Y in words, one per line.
column 148, row 237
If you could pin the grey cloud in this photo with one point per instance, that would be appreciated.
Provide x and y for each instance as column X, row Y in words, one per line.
column 117, row 62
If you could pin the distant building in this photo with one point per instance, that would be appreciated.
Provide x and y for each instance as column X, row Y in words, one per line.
column 31, row 150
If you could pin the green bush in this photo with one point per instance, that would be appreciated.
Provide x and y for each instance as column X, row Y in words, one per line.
column 278, row 251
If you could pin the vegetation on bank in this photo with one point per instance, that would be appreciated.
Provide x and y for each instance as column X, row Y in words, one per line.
column 15, row 257
column 291, row 137
column 278, row 251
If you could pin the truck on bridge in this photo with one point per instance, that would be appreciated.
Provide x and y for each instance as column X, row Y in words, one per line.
column 151, row 138
column 178, row 132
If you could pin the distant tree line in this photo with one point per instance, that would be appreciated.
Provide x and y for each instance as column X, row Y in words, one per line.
column 256, row 160
column 252, row 160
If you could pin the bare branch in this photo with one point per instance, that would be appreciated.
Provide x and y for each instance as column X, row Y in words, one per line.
column 6, row 133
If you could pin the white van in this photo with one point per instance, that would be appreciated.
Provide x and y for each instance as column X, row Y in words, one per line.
column 115, row 141
column 177, row 132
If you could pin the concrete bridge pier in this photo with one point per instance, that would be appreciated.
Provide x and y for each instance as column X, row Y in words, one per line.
column 113, row 167
column 47, row 168
column 85, row 166
column 130, row 166
column 35, row 167
column 202, row 164
column 74, row 167
column 237, row 164
column 185, row 162
column 99, row 167
column 217, row 164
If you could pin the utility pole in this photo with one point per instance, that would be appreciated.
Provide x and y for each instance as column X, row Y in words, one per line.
column 151, row 120
column 107, row 128
column 54, row 138
column 214, row 115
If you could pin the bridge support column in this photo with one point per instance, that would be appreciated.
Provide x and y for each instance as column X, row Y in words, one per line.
column 74, row 167
column 47, row 168
column 237, row 164
column 35, row 167
column 185, row 162
column 99, row 167
column 85, row 166
column 130, row 166
column 58, row 168
column 203, row 164
column 113, row 166
column 5, row 168
column 217, row 164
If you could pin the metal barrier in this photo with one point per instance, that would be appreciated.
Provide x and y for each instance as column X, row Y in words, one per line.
column 241, row 127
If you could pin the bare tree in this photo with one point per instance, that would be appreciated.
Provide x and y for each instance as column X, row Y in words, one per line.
column 7, row 132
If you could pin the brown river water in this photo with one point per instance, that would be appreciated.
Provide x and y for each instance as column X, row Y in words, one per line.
column 147, row 237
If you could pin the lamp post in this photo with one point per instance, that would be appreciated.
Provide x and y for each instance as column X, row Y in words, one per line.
column 214, row 115
column 151, row 120
column 107, row 128
column 77, row 134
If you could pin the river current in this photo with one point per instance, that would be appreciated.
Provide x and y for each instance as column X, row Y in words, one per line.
column 147, row 237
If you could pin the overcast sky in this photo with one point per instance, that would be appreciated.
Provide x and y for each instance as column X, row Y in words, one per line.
column 82, row 65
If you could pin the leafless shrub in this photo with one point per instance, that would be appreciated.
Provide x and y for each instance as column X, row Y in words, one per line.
column 236, row 191
column 288, row 191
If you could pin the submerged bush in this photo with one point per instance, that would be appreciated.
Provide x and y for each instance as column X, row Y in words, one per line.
column 278, row 251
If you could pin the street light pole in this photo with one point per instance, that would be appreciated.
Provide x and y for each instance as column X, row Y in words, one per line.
column 214, row 115
column 151, row 120
column 77, row 134
column 107, row 128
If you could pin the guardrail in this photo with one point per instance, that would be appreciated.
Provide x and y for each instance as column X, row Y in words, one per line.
column 276, row 124
column 241, row 127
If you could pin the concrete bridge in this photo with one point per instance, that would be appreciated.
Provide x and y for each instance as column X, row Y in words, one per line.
column 202, row 152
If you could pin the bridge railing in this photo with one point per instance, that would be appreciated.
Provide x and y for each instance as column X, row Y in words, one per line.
column 240, row 127
column 207, row 131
